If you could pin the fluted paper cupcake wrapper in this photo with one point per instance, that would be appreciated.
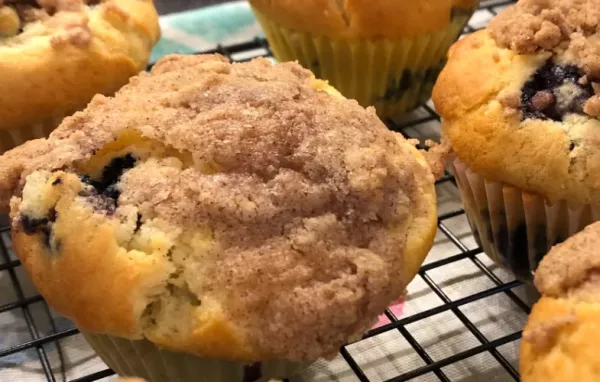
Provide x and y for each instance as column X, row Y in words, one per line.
column 517, row 228
column 12, row 138
column 394, row 75
column 143, row 359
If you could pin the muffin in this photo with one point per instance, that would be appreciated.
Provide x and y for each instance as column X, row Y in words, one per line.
column 560, row 341
column 386, row 54
column 519, row 105
column 55, row 55
column 236, row 221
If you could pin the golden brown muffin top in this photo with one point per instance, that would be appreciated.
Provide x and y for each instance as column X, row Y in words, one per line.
column 16, row 14
column 571, row 268
column 256, row 191
column 362, row 18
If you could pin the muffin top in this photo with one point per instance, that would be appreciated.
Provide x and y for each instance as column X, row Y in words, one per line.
column 69, row 22
column 560, row 340
column 520, row 102
column 242, row 211
column 365, row 19
column 63, row 21
column 570, row 268
column 57, row 54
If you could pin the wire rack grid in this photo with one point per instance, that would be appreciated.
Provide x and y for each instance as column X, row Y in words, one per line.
column 452, row 289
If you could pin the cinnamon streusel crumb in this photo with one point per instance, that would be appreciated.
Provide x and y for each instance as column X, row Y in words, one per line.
column 563, row 25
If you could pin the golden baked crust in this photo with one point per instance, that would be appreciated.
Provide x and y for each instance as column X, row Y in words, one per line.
column 362, row 18
column 560, row 341
column 58, row 63
column 570, row 264
column 495, row 125
column 242, row 211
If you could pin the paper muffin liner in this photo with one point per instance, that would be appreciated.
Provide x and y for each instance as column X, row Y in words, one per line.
column 514, row 227
column 394, row 75
column 143, row 359
column 12, row 138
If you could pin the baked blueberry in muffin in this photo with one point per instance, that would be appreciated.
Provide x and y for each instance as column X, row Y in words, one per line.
column 555, row 91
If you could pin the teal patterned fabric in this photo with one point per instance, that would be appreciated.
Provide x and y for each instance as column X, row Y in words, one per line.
column 203, row 29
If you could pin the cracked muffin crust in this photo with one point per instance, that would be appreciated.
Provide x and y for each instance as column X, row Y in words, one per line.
column 55, row 55
column 234, row 211
column 560, row 340
column 528, row 115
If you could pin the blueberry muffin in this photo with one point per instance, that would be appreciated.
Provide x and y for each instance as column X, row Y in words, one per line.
column 560, row 341
column 240, row 219
column 519, row 103
column 55, row 55
column 383, row 53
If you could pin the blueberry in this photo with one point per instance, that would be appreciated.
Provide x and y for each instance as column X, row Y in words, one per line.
column 252, row 373
column 513, row 247
column 424, row 79
column 112, row 173
column 315, row 65
column 85, row 179
column 42, row 227
column 542, row 98
column 105, row 190
column 138, row 223
column 52, row 215
column 32, row 226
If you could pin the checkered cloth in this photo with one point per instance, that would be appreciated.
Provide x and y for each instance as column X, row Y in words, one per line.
column 380, row 357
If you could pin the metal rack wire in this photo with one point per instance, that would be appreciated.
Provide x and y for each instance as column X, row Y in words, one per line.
column 39, row 341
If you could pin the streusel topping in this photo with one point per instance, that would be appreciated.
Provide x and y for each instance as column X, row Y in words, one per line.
column 297, row 185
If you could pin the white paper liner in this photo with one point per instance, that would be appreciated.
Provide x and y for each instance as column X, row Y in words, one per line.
column 370, row 70
column 514, row 227
column 143, row 359
column 12, row 138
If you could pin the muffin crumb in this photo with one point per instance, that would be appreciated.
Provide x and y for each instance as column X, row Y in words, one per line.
column 510, row 99
column 76, row 31
column 548, row 36
column 542, row 100
column 563, row 25
column 592, row 106
column 437, row 156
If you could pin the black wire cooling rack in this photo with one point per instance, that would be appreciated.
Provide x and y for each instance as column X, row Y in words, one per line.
column 429, row 363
